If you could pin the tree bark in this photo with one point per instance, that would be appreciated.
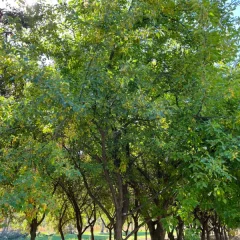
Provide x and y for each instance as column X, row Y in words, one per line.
column 225, row 233
column 180, row 229
column 78, row 216
column 156, row 230
column 170, row 235
column 118, row 225
column 119, row 189
column 162, row 232
column 34, row 226
column 216, row 233
column 146, row 232
column 61, row 231
column 221, row 230
column 92, row 232
column 203, row 231
column 60, row 221
column 78, row 222
column 208, row 235
column 110, row 233
column 135, row 220
column 33, row 229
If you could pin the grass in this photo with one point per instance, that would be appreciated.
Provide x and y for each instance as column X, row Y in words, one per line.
column 71, row 237
column 86, row 236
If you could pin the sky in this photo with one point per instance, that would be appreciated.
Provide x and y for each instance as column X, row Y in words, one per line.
column 237, row 11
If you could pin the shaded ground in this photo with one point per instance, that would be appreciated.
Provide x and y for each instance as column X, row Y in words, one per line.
column 97, row 236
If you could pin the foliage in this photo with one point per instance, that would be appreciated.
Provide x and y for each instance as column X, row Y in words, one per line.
column 122, row 100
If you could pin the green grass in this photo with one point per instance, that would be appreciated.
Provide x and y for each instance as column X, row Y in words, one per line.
column 72, row 237
column 87, row 236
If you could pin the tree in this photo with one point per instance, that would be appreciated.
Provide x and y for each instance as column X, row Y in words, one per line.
column 81, row 203
column 135, row 88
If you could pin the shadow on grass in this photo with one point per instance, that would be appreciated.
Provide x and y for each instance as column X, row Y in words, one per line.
column 71, row 237
column 99, row 236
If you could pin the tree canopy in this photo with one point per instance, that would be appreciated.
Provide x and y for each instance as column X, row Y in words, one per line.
column 129, row 108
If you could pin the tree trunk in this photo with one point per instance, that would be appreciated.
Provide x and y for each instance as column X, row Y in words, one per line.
column 203, row 231
column 171, row 235
column 215, row 226
column 225, row 234
column 180, row 229
column 216, row 233
column 61, row 233
column 135, row 220
column 61, row 230
column 203, row 234
column 146, row 232
column 92, row 232
column 208, row 235
column 110, row 233
column 33, row 229
column 118, row 225
column 78, row 219
column 156, row 230
column 221, row 233
column 60, row 220
column 162, row 232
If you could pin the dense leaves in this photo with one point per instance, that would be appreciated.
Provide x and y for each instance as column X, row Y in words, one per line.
column 131, row 104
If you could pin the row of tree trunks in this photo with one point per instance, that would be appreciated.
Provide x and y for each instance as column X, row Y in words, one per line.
column 156, row 230
column 220, row 233
column 179, row 231
column 210, row 223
